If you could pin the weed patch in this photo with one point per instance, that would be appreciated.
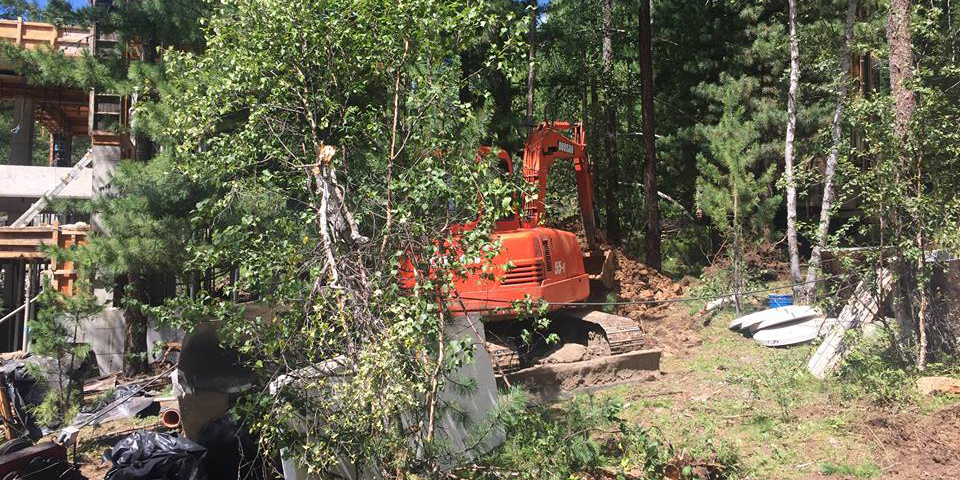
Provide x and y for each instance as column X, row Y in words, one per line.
column 589, row 433
column 876, row 371
column 863, row 470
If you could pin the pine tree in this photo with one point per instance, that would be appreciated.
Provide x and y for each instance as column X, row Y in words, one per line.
column 56, row 333
column 143, row 243
column 652, row 199
column 731, row 182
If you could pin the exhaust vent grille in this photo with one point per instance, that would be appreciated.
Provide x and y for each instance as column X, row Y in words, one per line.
column 524, row 273
column 547, row 257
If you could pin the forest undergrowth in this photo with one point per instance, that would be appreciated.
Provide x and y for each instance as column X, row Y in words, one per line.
column 727, row 407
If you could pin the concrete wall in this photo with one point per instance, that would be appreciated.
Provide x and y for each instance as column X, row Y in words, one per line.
column 28, row 182
column 21, row 137
column 105, row 335
column 105, row 161
column 21, row 186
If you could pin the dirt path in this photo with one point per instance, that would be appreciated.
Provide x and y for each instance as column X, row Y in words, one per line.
column 722, row 392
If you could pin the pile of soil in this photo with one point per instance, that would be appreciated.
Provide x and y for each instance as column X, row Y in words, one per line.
column 668, row 326
column 638, row 282
column 918, row 446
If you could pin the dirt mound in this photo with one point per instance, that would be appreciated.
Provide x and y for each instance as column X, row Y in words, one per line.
column 638, row 283
column 667, row 325
column 916, row 446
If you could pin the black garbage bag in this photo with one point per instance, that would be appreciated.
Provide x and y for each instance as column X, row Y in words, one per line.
column 155, row 456
column 231, row 451
column 25, row 393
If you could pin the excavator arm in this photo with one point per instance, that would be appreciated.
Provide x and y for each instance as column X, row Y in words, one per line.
column 548, row 143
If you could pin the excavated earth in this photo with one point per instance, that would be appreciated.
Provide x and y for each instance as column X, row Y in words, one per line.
column 918, row 446
column 667, row 324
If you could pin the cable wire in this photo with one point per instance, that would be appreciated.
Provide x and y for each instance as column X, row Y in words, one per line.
column 669, row 300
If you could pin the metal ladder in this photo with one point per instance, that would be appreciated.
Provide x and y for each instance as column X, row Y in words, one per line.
column 40, row 204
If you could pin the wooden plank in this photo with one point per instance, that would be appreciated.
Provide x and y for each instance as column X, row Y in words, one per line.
column 15, row 255
column 862, row 309
column 69, row 40
column 15, row 230
column 16, row 242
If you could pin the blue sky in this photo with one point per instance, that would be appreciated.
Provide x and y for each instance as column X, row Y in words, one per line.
column 75, row 3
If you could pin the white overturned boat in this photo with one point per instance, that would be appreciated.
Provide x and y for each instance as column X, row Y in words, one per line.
column 774, row 316
column 799, row 313
column 792, row 333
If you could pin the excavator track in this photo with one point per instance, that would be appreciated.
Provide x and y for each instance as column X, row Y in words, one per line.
column 597, row 349
column 621, row 335
column 505, row 358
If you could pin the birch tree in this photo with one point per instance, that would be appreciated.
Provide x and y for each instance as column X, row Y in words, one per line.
column 836, row 134
column 300, row 134
column 788, row 148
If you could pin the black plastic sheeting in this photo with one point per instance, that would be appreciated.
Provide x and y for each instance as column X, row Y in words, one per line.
column 156, row 456
column 127, row 401
column 25, row 393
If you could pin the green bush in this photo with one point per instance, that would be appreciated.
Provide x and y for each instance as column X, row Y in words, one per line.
column 559, row 441
column 876, row 370
column 552, row 441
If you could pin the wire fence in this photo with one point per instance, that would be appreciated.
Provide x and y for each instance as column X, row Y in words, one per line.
column 667, row 300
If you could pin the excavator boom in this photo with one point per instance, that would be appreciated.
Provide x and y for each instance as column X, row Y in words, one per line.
column 547, row 144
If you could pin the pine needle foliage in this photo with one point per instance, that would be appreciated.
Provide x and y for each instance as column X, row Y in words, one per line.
column 732, row 183
column 56, row 334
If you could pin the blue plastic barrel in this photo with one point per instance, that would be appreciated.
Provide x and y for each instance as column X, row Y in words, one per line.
column 775, row 300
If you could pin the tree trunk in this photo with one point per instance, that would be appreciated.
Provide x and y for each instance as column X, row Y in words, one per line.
column 651, row 199
column 531, row 58
column 737, row 249
column 904, row 104
column 823, row 229
column 135, row 328
column 901, row 67
column 135, row 321
column 610, row 127
column 788, row 148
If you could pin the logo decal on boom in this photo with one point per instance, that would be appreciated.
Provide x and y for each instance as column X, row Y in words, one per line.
column 565, row 147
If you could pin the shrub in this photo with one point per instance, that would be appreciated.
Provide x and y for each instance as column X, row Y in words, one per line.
column 876, row 370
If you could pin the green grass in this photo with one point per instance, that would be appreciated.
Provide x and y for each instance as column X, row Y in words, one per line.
column 734, row 397
column 756, row 402
column 864, row 470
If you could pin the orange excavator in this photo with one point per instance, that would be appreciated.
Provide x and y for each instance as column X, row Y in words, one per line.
column 539, row 263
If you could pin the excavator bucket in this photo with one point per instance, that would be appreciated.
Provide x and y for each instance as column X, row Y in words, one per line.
column 601, row 265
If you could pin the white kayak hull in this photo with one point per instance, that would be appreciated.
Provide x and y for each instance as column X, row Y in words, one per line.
column 806, row 314
column 782, row 314
column 793, row 333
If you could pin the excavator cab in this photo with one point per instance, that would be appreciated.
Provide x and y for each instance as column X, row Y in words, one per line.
column 536, row 261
